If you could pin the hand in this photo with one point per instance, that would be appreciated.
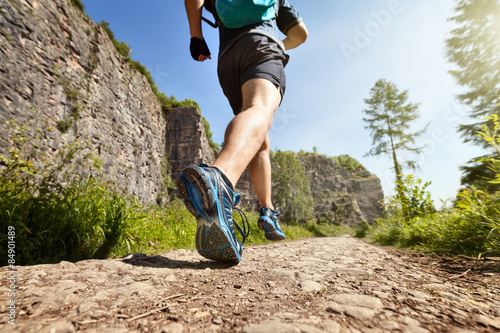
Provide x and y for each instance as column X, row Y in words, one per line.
column 199, row 49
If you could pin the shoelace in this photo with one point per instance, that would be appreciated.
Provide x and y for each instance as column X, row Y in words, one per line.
column 246, row 228
column 236, row 199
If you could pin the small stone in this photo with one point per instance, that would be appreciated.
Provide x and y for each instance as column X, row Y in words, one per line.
column 310, row 286
column 87, row 306
column 360, row 313
column 271, row 327
column 280, row 291
column 140, row 288
column 358, row 300
column 282, row 274
column 172, row 328
column 288, row 315
column 171, row 278
column 59, row 327
column 309, row 329
column 271, row 284
column 330, row 326
column 201, row 314
column 487, row 321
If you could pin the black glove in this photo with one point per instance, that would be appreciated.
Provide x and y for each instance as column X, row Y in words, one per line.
column 197, row 47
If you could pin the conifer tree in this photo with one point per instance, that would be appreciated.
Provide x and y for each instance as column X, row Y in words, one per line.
column 474, row 48
column 388, row 118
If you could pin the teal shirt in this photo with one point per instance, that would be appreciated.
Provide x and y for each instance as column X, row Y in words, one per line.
column 286, row 17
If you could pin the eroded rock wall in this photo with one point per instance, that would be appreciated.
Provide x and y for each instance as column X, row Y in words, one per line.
column 342, row 196
column 187, row 142
column 61, row 68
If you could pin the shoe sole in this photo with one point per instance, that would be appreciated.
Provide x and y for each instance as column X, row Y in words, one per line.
column 211, row 241
column 269, row 232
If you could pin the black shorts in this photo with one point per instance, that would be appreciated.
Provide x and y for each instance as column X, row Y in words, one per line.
column 251, row 56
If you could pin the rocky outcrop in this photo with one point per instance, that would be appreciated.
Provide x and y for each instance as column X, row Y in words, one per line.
column 187, row 142
column 61, row 68
column 342, row 196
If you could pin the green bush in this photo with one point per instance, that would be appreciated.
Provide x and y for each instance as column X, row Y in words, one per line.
column 411, row 199
column 291, row 187
column 471, row 227
column 122, row 48
column 107, row 29
column 347, row 162
column 209, row 134
column 78, row 4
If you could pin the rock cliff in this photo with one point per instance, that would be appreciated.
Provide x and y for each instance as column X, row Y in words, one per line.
column 62, row 70
column 59, row 66
column 187, row 142
column 342, row 196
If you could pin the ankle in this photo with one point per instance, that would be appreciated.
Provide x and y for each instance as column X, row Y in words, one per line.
column 225, row 177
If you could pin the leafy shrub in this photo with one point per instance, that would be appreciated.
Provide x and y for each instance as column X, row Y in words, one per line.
column 78, row 4
column 493, row 138
column 291, row 187
column 362, row 230
column 107, row 29
column 122, row 48
column 347, row 162
column 411, row 199
column 209, row 134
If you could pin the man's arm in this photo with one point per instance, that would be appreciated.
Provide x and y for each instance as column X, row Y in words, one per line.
column 295, row 36
column 194, row 10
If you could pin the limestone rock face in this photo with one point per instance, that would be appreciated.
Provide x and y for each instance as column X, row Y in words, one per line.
column 342, row 196
column 61, row 68
column 187, row 141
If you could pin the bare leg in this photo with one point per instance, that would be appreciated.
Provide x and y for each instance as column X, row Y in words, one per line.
column 260, row 174
column 247, row 131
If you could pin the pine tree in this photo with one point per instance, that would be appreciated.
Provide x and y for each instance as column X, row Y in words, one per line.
column 474, row 47
column 388, row 118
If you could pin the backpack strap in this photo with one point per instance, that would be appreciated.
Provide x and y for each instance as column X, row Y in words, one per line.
column 210, row 7
column 210, row 23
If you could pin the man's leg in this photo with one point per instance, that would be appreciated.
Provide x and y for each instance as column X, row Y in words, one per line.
column 246, row 133
column 260, row 174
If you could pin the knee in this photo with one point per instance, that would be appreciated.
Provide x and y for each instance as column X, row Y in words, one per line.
column 266, row 145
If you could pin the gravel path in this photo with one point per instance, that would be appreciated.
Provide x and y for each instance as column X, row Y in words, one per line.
column 337, row 284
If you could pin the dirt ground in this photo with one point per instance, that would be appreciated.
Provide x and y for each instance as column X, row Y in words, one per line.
column 339, row 284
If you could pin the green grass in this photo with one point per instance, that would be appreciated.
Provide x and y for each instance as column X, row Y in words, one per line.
column 294, row 232
column 471, row 227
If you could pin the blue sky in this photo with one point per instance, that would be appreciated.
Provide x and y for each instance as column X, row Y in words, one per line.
column 351, row 45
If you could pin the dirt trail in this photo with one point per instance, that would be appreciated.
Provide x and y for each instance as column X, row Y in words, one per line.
column 317, row 285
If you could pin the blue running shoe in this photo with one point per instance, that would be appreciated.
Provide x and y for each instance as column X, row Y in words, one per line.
column 268, row 222
column 207, row 196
